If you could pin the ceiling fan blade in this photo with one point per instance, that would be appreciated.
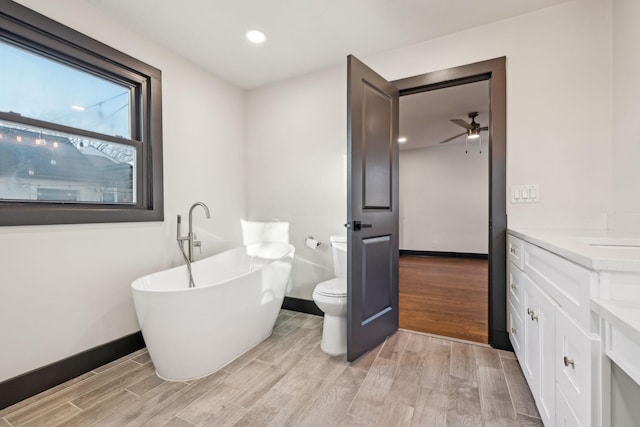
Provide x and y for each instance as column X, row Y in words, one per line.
column 453, row 137
column 461, row 123
column 484, row 128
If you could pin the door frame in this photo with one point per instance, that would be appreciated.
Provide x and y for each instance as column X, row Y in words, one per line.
column 493, row 70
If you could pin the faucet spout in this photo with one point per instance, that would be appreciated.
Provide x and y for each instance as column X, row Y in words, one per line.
column 191, row 236
column 195, row 205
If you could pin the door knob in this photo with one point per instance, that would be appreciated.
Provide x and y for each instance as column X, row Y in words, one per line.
column 358, row 225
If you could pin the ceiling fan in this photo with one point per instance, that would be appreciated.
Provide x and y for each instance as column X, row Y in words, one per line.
column 472, row 131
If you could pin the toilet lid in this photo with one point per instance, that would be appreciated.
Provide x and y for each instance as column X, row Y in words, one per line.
column 333, row 288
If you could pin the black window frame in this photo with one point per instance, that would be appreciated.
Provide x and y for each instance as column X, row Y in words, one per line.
column 42, row 35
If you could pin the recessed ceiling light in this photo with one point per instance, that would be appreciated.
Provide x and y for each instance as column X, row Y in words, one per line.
column 256, row 36
column 77, row 108
column 402, row 139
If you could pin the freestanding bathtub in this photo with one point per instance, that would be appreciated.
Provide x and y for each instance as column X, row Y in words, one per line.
column 193, row 332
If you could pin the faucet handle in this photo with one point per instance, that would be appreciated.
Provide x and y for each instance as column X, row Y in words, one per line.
column 197, row 243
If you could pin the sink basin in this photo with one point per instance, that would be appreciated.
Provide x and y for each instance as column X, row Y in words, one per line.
column 620, row 246
column 612, row 242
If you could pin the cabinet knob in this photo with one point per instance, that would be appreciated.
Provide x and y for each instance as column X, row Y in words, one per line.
column 533, row 316
column 514, row 286
column 568, row 362
column 513, row 330
column 512, row 250
column 529, row 311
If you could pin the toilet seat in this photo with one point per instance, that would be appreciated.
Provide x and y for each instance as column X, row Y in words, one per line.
column 336, row 287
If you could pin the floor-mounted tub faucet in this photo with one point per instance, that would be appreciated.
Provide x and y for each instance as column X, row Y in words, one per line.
column 191, row 239
column 193, row 243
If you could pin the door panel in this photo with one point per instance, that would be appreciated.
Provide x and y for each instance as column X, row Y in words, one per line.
column 372, row 209
column 377, row 277
column 376, row 167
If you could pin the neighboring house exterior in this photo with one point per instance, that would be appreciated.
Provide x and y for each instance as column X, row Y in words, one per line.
column 51, row 168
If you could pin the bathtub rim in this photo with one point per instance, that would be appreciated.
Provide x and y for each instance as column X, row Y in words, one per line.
column 136, row 288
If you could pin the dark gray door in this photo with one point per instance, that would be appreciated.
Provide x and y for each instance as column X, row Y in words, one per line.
column 372, row 210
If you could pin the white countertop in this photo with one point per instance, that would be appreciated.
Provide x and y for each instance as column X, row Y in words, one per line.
column 598, row 250
column 623, row 315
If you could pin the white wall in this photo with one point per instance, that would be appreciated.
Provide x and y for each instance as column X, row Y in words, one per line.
column 558, row 86
column 558, row 104
column 65, row 288
column 626, row 112
column 296, row 137
column 444, row 197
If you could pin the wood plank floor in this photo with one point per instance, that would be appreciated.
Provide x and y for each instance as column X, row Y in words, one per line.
column 409, row 380
column 445, row 296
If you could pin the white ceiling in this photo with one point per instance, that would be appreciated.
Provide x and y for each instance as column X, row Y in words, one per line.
column 425, row 118
column 303, row 35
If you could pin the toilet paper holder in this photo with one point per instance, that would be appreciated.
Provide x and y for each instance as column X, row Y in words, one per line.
column 312, row 243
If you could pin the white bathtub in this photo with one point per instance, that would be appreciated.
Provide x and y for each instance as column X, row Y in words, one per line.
column 193, row 332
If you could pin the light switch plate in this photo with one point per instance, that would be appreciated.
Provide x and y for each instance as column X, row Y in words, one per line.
column 525, row 193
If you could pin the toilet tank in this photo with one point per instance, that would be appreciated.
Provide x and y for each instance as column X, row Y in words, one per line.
column 339, row 253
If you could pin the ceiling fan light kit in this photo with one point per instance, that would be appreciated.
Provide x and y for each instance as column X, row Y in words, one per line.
column 473, row 130
column 466, row 143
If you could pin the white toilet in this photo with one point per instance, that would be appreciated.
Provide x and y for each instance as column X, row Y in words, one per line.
column 331, row 297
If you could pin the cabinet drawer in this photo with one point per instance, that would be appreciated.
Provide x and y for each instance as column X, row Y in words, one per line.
column 514, row 284
column 514, row 250
column 567, row 283
column 576, row 365
column 515, row 329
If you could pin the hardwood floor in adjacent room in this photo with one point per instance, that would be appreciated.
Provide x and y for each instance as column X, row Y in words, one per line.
column 445, row 296
column 409, row 380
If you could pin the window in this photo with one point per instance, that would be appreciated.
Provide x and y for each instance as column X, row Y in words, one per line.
column 80, row 127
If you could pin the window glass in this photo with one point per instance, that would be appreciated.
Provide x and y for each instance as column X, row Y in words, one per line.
column 47, row 166
column 37, row 87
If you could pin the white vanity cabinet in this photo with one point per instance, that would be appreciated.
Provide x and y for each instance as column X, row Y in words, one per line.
column 550, row 328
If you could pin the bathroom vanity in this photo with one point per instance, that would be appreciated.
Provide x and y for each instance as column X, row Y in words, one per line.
column 573, row 316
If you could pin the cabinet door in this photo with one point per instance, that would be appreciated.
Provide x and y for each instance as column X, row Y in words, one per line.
column 531, row 343
column 576, row 356
column 565, row 417
column 545, row 316
column 539, row 320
